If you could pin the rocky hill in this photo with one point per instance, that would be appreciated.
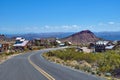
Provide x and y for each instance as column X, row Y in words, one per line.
column 83, row 37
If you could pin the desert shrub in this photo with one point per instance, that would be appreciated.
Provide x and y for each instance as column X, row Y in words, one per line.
column 77, row 67
column 107, row 61
column 50, row 53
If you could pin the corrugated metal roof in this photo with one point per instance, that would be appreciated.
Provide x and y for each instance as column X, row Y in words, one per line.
column 102, row 42
column 21, row 44
column 20, row 38
column 58, row 41
column 109, row 47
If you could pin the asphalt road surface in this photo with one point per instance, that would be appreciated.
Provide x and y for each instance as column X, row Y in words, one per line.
column 32, row 66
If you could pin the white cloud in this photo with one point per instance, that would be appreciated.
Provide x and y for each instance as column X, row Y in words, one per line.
column 111, row 23
column 100, row 24
column 91, row 27
column 63, row 28
column 108, row 26
column 31, row 29
column 47, row 27
column 76, row 26
column 71, row 27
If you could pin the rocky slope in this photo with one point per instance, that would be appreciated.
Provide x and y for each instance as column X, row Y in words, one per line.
column 83, row 37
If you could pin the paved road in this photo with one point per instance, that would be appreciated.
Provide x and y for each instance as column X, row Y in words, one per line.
column 32, row 66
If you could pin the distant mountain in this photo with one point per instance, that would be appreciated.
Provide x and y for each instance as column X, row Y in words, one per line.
column 4, row 38
column 108, row 35
column 31, row 36
column 82, row 37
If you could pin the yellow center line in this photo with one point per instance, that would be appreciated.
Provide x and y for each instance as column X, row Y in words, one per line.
column 49, row 77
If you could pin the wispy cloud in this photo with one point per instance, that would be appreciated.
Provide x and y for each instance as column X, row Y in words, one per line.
column 63, row 28
column 102, row 26
column 108, row 26
column 111, row 23
column 46, row 28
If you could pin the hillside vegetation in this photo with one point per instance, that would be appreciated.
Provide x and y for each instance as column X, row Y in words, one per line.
column 106, row 62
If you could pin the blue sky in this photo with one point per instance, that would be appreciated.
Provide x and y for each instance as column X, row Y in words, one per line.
column 36, row 16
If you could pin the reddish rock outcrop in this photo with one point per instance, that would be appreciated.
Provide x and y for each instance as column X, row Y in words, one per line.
column 83, row 37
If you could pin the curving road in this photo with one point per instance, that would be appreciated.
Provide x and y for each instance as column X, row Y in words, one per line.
column 32, row 66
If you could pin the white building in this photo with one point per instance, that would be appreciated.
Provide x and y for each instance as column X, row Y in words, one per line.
column 20, row 43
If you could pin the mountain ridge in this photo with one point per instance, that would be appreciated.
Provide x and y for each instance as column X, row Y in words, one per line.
column 105, row 35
